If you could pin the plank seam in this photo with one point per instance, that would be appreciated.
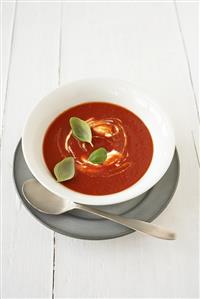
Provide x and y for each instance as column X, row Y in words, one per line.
column 59, row 76
column 187, row 59
column 9, row 67
column 54, row 265
column 60, row 44
column 195, row 149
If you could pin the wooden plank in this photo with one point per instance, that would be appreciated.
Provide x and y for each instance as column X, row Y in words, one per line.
column 27, row 245
column 7, row 24
column 139, row 42
column 188, row 20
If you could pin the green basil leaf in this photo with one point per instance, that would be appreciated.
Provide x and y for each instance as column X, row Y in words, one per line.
column 81, row 129
column 98, row 156
column 65, row 169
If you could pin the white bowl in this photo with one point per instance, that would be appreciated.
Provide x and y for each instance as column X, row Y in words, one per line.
column 106, row 90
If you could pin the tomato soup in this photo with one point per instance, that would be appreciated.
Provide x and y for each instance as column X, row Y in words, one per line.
column 125, row 137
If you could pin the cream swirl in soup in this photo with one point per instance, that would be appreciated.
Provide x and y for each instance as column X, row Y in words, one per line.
column 111, row 134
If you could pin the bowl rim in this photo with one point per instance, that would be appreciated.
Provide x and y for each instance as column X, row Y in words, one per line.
column 109, row 199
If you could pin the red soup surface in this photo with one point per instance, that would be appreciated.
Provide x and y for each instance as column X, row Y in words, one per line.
column 118, row 130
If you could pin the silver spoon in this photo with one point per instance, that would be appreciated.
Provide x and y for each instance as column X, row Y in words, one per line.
column 46, row 202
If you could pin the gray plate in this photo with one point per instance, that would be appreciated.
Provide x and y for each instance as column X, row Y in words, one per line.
column 82, row 225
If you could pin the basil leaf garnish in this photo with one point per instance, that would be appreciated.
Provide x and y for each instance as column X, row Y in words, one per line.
column 65, row 169
column 81, row 129
column 98, row 156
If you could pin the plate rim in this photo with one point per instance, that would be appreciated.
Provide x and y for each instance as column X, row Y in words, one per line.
column 123, row 234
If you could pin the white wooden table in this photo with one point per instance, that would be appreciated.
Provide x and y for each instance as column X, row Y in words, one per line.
column 152, row 44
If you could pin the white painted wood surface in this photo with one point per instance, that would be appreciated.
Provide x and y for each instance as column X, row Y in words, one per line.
column 7, row 25
column 151, row 44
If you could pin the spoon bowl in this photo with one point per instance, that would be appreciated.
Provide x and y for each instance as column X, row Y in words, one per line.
column 43, row 200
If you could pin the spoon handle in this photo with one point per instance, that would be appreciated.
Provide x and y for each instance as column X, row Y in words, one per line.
column 138, row 225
